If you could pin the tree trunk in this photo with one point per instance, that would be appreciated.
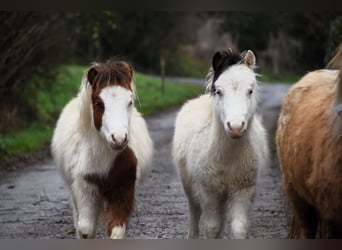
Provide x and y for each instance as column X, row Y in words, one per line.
column 162, row 72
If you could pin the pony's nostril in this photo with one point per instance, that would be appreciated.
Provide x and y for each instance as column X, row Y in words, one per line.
column 113, row 138
column 126, row 139
column 242, row 125
column 235, row 128
column 119, row 140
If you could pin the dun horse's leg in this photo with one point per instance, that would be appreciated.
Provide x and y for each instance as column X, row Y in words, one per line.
column 194, row 217
column 332, row 229
column 305, row 215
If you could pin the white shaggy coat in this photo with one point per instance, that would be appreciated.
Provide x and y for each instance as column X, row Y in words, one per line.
column 79, row 149
column 218, row 172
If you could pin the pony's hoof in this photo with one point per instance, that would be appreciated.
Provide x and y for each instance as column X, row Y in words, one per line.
column 85, row 230
column 84, row 236
column 118, row 232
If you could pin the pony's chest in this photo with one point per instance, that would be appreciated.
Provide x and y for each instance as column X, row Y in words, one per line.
column 120, row 176
column 225, row 176
column 102, row 163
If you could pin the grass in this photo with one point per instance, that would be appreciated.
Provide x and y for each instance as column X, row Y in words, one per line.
column 26, row 140
column 150, row 99
column 280, row 78
column 49, row 103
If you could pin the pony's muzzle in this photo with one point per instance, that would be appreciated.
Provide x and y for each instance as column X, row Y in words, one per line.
column 236, row 131
column 119, row 141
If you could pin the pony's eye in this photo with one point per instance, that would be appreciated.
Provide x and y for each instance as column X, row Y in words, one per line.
column 130, row 103
column 99, row 105
column 250, row 91
column 218, row 92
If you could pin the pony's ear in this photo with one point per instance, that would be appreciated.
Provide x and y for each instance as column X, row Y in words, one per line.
column 249, row 59
column 92, row 72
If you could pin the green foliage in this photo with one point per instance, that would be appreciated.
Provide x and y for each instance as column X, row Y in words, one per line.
column 309, row 31
column 185, row 64
column 26, row 140
column 30, row 43
column 281, row 78
column 89, row 35
column 138, row 37
column 335, row 38
column 49, row 102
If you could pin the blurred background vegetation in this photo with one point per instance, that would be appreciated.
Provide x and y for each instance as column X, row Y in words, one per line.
column 44, row 54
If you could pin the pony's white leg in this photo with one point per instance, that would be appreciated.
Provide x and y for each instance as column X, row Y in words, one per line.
column 74, row 212
column 213, row 215
column 194, row 216
column 239, row 210
column 118, row 232
column 87, row 202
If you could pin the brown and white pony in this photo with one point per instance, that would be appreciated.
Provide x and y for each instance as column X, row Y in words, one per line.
column 309, row 145
column 102, row 147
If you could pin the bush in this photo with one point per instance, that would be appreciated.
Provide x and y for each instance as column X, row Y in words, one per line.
column 335, row 38
column 30, row 43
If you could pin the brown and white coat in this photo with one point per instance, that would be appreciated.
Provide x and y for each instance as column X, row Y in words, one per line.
column 102, row 148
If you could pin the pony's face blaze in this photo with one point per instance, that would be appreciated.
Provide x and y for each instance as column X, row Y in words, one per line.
column 111, row 101
column 234, row 99
column 234, row 91
column 111, row 114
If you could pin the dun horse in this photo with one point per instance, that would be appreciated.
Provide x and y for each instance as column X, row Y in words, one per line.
column 309, row 142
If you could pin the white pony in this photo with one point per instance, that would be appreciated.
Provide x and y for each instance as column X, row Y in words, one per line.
column 220, row 144
column 102, row 147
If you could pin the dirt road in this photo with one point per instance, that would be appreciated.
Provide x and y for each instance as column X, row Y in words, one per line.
column 34, row 202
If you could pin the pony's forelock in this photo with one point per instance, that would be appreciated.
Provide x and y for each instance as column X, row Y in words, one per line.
column 107, row 76
column 210, row 83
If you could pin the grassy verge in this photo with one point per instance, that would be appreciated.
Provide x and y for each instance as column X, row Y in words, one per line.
column 281, row 78
column 150, row 99
column 26, row 140
column 49, row 103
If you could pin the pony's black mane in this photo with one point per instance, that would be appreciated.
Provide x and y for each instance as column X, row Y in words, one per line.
column 222, row 60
